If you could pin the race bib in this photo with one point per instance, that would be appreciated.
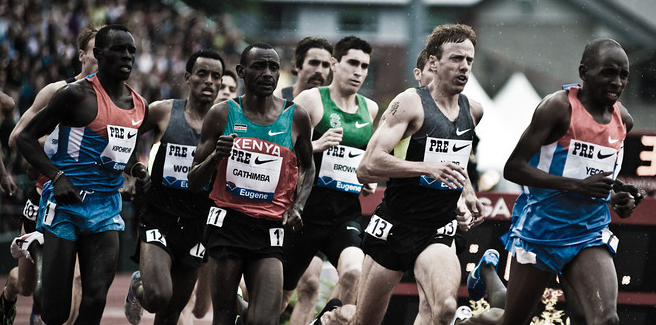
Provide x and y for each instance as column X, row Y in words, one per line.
column 253, row 175
column 49, row 213
column 441, row 150
column 449, row 229
column 197, row 251
column 276, row 236
column 120, row 144
column 585, row 159
column 30, row 211
column 216, row 217
column 378, row 227
column 154, row 235
column 338, row 169
column 609, row 238
column 177, row 163
column 52, row 142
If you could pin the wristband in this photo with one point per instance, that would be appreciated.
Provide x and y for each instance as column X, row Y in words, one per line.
column 59, row 174
column 135, row 164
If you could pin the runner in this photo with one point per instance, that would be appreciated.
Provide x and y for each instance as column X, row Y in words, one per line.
column 171, row 222
column 259, row 147
column 81, row 203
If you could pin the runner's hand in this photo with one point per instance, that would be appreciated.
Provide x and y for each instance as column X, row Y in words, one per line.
column 224, row 145
column 65, row 192
column 292, row 219
column 464, row 217
column 369, row 188
column 7, row 184
column 448, row 173
column 331, row 138
column 623, row 203
column 596, row 186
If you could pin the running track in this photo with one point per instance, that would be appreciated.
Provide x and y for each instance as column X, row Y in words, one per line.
column 113, row 311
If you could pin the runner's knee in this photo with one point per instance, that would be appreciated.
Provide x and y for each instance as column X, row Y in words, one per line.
column 445, row 310
column 157, row 298
column 308, row 286
column 350, row 276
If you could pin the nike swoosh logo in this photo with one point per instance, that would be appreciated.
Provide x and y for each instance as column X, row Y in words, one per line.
column 130, row 136
column 137, row 122
column 459, row 133
column 611, row 140
column 359, row 126
column 275, row 133
column 351, row 155
column 456, row 149
column 260, row 162
column 602, row 156
column 352, row 228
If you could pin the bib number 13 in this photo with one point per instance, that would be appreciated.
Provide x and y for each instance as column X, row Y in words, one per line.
column 378, row 227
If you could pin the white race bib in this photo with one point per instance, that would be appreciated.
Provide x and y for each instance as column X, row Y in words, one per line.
column 338, row 169
column 216, row 216
column 120, row 144
column 609, row 238
column 378, row 227
column 197, row 251
column 52, row 142
column 49, row 213
column 253, row 175
column 177, row 163
column 441, row 150
column 449, row 229
column 154, row 235
column 277, row 236
column 30, row 211
column 585, row 159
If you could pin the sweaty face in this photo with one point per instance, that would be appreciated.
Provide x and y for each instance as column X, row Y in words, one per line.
column 315, row 69
column 454, row 66
column 606, row 75
column 117, row 57
column 351, row 70
column 205, row 79
column 261, row 71
column 227, row 90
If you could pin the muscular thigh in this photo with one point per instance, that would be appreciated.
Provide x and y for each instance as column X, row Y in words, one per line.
column 593, row 278
column 437, row 271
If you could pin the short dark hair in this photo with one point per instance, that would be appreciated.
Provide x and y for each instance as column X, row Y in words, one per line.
column 204, row 54
column 230, row 74
column 448, row 33
column 87, row 34
column 244, row 53
column 422, row 59
column 308, row 43
column 594, row 46
column 350, row 43
column 102, row 37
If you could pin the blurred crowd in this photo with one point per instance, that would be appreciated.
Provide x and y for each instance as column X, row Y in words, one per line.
column 38, row 46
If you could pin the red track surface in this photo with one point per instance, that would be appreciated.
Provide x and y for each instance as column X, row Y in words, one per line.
column 113, row 311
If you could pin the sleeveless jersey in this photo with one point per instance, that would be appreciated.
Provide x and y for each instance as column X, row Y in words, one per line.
column 427, row 202
column 175, row 155
column 552, row 217
column 336, row 167
column 94, row 156
column 50, row 146
column 288, row 93
column 259, row 178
